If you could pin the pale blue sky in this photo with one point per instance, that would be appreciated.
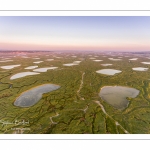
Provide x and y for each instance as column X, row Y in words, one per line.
column 75, row 33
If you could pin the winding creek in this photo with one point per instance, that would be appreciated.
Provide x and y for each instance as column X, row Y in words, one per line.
column 80, row 87
column 116, row 122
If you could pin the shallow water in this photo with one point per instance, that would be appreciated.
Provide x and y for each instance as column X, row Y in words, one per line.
column 23, row 74
column 145, row 63
column 6, row 60
column 44, row 69
column 49, row 59
column 116, row 95
column 10, row 66
column 36, row 58
column 108, row 71
column 58, row 57
column 25, row 57
column 31, row 67
column 140, row 69
column 97, row 60
column 76, row 62
column 106, row 64
column 70, row 64
column 37, row 62
column 114, row 59
column 133, row 59
column 32, row 96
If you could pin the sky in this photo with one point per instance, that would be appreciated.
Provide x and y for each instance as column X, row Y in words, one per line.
column 82, row 33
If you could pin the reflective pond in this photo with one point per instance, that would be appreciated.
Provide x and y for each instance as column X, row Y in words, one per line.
column 108, row 71
column 116, row 95
column 32, row 96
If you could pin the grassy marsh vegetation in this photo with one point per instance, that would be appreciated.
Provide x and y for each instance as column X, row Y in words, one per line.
column 63, row 111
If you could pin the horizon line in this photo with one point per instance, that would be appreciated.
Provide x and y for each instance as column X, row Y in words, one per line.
column 71, row 51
